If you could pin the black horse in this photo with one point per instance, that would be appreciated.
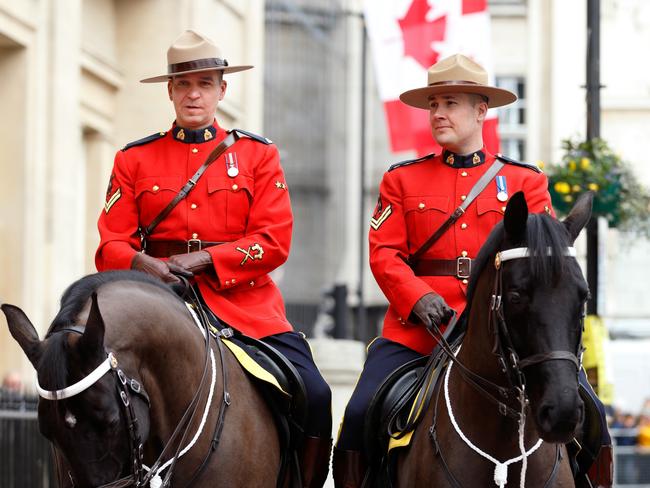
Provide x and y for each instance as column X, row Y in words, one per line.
column 514, row 386
column 134, row 392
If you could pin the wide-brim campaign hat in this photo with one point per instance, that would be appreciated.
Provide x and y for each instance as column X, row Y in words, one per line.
column 193, row 53
column 457, row 74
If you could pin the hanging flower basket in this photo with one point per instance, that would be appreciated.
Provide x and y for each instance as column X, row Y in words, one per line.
column 593, row 166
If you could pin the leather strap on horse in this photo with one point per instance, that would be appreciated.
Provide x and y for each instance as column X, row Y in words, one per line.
column 476, row 190
column 188, row 187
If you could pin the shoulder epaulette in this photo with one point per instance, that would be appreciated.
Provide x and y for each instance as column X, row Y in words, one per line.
column 508, row 160
column 410, row 161
column 144, row 140
column 255, row 137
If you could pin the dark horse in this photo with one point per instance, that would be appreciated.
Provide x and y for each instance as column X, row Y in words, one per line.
column 149, row 372
column 520, row 354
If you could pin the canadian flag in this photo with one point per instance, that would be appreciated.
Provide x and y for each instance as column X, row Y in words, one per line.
column 407, row 37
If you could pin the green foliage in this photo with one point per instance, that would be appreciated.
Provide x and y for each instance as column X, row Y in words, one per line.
column 592, row 165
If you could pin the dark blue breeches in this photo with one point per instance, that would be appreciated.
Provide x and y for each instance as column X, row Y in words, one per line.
column 319, row 396
column 384, row 356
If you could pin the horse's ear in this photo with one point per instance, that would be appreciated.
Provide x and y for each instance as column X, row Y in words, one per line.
column 92, row 339
column 579, row 215
column 24, row 332
column 516, row 216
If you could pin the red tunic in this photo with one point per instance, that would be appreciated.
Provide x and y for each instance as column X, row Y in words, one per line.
column 415, row 199
column 249, row 212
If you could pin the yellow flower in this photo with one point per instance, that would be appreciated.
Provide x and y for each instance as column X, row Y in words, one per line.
column 585, row 163
column 593, row 186
column 576, row 188
column 572, row 166
column 540, row 164
column 562, row 187
column 568, row 198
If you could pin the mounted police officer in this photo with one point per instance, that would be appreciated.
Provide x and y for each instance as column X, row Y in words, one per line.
column 231, row 231
column 416, row 199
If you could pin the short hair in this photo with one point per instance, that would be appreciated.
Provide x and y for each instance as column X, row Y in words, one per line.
column 477, row 98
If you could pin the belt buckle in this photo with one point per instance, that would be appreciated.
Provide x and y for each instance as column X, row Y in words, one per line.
column 193, row 245
column 463, row 267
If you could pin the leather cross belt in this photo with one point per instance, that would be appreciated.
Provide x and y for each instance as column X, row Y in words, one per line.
column 164, row 249
column 461, row 267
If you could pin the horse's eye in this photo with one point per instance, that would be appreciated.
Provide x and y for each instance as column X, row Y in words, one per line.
column 514, row 297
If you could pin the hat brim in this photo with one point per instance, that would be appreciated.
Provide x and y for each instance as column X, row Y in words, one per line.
column 225, row 70
column 419, row 97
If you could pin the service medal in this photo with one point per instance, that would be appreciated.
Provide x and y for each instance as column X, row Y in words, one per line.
column 502, row 188
column 232, row 166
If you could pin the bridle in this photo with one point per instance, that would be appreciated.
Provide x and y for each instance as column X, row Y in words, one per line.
column 503, row 347
column 141, row 475
column 511, row 365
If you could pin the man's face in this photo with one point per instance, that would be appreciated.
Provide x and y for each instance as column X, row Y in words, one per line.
column 456, row 121
column 195, row 97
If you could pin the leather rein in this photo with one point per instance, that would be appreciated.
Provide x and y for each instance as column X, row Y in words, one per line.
column 141, row 475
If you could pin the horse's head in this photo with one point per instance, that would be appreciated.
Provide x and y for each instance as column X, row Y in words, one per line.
column 539, row 296
column 89, row 427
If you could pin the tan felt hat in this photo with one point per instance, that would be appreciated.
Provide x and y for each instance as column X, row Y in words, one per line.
column 457, row 74
column 191, row 53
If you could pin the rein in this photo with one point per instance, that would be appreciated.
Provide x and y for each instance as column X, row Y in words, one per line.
column 138, row 478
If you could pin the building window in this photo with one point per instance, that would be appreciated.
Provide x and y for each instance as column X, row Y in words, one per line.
column 512, row 118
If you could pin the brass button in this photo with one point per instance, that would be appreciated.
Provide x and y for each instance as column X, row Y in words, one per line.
column 421, row 205
column 162, row 133
column 503, row 209
column 252, row 283
column 463, row 197
column 464, row 173
column 233, row 281
column 465, row 282
column 193, row 206
column 227, row 282
column 155, row 188
column 195, row 150
column 463, row 253
column 235, row 187
column 463, row 225
column 195, row 236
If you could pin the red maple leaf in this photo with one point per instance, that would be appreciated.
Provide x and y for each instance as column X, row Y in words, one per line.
column 419, row 35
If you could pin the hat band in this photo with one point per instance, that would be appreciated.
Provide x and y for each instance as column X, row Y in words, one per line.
column 196, row 64
column 456, row 82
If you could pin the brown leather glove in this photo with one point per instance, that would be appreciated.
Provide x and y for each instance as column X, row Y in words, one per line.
column 195, row 262
column 158, row 268
column 432, row 310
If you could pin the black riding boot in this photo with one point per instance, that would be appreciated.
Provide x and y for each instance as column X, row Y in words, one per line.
column 349, row 468
column 315, row 461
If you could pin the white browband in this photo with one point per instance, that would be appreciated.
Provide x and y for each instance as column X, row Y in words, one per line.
column 522, row 252
column 109, row 363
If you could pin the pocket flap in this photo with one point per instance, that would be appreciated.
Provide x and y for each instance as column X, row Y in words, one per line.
column 484, row 205
column 154, row 184
column 425, row 203
column 238, row 183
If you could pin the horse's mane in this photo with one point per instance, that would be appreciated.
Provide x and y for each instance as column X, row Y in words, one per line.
column 543, row 232
column 53, row 365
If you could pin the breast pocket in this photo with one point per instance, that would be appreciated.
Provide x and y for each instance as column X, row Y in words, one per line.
column 230, row 201
column 153, row 194
column 423, row 215
column 490, row 212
